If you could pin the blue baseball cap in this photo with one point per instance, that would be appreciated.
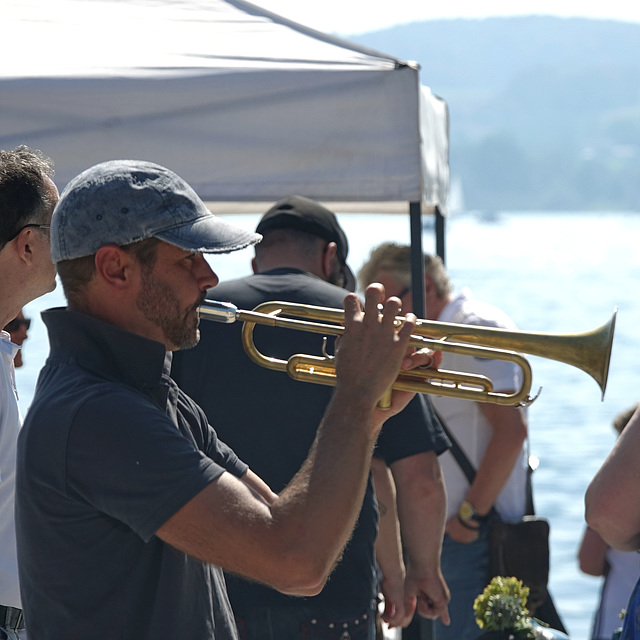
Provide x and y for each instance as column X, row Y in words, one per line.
column 124, row 201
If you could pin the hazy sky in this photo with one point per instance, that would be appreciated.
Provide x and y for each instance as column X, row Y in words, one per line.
column 358, row 16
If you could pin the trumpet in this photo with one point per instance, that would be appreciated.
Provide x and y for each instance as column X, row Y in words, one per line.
column 589, row 351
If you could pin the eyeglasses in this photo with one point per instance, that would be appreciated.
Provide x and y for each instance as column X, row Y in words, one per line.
column 27, row 226
column 16, row 323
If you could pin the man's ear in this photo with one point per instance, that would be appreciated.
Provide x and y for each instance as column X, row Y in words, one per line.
column 115, row 266
column 328, row 259
column 24, row 244
column 254, row 265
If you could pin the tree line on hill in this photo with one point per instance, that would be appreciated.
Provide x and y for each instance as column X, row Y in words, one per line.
column 544, row 111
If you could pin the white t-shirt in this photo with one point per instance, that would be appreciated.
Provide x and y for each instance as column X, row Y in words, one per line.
column 463, row 417
column 10, row 423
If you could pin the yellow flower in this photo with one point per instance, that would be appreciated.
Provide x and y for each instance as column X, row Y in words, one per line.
column 502, row 606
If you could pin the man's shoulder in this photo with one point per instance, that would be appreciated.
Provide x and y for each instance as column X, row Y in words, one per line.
column 66, row 388
column 288, row 285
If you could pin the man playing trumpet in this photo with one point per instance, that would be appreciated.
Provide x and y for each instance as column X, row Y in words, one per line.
column 128, row 507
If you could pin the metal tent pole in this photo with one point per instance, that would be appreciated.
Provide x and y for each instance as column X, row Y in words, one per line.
column 415, row 630
column 417, row 253
column 417, row 260
column 440, row 234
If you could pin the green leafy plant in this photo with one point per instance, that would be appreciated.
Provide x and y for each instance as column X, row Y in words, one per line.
column 502, row 607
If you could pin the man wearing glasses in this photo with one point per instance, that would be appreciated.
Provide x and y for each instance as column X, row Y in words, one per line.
column 27, row 198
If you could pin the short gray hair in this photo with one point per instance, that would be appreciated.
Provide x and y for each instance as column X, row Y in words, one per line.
column 395, row 260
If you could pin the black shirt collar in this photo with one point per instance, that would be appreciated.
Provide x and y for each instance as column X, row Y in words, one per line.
column 105, row 349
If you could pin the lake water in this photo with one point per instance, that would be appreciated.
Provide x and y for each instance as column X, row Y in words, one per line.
column 557, row 272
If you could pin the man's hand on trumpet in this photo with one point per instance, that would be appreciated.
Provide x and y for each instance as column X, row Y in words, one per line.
column 373, row 349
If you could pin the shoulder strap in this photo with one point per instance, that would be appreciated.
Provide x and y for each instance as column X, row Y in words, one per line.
column 470, row 472
column 458, row 453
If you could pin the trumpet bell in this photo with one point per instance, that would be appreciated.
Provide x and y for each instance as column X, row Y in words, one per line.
column 589, row 351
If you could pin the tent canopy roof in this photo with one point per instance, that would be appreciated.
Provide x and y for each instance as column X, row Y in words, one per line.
column 107, row 38
column 245, row 105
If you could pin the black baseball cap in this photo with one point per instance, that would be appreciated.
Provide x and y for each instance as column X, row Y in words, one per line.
column 304, row 214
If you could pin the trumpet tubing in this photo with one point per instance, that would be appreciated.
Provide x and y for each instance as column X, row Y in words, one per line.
column 589, row 351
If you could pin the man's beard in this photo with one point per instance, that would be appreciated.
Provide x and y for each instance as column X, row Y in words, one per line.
column 160, row 306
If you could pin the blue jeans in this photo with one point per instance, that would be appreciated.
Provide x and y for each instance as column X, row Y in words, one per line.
column 466, row 569
column 303, row 623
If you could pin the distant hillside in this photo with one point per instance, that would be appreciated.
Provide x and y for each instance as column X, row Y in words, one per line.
column 545, row 112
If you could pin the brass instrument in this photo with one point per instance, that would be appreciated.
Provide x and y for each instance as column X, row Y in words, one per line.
column 589, row 351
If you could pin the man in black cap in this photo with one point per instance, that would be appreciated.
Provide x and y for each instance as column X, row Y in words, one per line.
column 315, row 221
column 271, row 422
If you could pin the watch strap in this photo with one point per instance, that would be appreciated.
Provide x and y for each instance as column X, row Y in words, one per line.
column 466, row 525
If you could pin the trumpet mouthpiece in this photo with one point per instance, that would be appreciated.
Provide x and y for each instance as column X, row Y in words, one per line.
column 224, row 312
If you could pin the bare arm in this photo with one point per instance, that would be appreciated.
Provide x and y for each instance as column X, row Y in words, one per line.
column 293, row 543
column 389, row 547
column 421, row 510
column 613, row 495
column 509, row 431
column 592, row 553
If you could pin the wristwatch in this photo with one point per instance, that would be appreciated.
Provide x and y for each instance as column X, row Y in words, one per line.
column 467, row 513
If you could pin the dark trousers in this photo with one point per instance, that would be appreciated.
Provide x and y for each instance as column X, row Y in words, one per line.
column 419, row 629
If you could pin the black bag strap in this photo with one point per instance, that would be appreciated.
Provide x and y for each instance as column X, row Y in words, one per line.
column 470, row 472
column 459, row 454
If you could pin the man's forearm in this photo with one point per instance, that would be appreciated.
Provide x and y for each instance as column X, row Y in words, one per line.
column 509, row 432
column 320, row 505
column 422, row 512
column 615, row 490
column 421, row 508
column 389, row 548
column 388, row 543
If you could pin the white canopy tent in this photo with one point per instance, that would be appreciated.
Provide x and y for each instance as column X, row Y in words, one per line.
column 247, row 106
